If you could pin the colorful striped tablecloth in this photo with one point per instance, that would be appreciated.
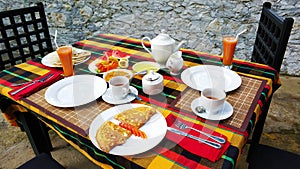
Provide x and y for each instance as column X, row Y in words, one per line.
column 72, row 124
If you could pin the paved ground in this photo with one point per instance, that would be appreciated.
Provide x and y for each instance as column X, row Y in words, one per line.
column 281, row 130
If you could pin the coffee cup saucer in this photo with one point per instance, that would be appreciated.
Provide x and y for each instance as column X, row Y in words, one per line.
column 108, row 98
column 225, row 113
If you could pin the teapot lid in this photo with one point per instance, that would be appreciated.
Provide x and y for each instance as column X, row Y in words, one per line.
column 163, row 39
column 152, row 76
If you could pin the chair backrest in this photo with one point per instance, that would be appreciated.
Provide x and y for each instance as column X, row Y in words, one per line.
column 24, row 35
column 272, row 37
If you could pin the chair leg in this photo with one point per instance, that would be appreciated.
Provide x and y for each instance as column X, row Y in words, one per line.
column 36, row 133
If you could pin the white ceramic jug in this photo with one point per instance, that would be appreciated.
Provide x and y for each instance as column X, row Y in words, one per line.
column 175, row 63
column 162, row 46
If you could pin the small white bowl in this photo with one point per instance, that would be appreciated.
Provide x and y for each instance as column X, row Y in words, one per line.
column 114, row 72
column 145, row 65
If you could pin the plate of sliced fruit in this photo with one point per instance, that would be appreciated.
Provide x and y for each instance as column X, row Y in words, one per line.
column 110, row 60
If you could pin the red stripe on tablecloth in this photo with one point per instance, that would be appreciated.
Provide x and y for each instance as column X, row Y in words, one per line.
column 90, row 46
column 5, row 83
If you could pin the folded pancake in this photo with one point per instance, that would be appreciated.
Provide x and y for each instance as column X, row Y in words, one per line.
column 136, row 116
column 110, row 135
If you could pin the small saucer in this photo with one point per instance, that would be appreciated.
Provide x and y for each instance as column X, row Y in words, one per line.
column 107, row 96
column 226, row 112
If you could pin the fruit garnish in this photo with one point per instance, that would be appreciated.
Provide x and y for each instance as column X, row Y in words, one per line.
column 134, row 130
column 106, row 65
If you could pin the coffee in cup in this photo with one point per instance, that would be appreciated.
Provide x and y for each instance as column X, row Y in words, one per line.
column 119, row 86
column 213, row 99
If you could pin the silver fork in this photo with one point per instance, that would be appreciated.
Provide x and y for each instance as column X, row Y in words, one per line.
column 33, row 82
column 182, row 126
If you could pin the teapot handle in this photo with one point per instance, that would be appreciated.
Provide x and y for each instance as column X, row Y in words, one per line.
column 142, row 41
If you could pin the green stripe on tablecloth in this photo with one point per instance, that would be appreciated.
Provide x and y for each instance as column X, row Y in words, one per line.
column 16, row 75
column 258, row 70
column 228, row 159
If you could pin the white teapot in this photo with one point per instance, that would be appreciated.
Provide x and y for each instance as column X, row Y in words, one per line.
column 162, row 46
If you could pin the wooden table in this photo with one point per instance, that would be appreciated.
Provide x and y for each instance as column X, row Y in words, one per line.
column 72, row 124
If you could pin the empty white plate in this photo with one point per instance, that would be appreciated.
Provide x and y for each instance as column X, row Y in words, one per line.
column 207, row 76
column 75, row 90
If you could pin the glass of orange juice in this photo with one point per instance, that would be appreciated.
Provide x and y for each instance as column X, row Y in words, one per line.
column 229, row 43
column 65, row 56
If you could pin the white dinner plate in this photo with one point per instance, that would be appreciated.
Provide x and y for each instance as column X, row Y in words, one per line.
column 207, row 76
column 155, row 130
column 52, row 58
column 107, row 96
column 75, row 90
column 225, row 113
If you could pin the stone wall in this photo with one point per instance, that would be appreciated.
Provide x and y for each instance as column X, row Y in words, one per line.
column 200, row 22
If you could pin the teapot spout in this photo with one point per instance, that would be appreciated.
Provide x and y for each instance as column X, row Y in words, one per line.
column 179, row 45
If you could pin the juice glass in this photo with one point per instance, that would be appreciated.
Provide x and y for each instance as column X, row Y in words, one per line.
column 65, row 57
column 229, row 43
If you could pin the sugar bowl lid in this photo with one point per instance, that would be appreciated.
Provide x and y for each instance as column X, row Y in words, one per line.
column 152, row 76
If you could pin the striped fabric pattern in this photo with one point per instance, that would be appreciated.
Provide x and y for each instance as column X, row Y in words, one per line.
column 176, row 157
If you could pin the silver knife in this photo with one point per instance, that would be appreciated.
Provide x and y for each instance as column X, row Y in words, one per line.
column 210, row 143
column 33, row 82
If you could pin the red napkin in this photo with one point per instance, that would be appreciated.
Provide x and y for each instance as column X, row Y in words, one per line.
column 37, row 86
column 194, row 146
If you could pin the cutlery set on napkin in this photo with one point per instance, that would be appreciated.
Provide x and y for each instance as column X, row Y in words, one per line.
column 26, row 89
column 207, row 143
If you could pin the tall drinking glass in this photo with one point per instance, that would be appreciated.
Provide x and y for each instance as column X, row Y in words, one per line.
column 229, row 43
column 65, row 56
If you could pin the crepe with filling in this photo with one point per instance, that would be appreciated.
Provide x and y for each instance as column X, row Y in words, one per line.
column 136, row 116
column 110, row 135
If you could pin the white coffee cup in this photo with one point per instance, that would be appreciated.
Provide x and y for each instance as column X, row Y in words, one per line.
column 119, row 86
column 213, row 99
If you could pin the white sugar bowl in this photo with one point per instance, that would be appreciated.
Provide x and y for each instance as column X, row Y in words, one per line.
column 153, row 83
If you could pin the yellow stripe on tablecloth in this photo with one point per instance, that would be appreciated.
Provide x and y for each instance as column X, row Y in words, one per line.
column 257, row 111
column 4, row 91
column 160, row 161
column 112, row 47
column 174, row 85
column 124, row 37
column 31, row 68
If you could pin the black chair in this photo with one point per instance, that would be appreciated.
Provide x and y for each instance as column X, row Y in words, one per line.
column 272, row 38
column 24, row 35
column 41, row 161
column 269, row 48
